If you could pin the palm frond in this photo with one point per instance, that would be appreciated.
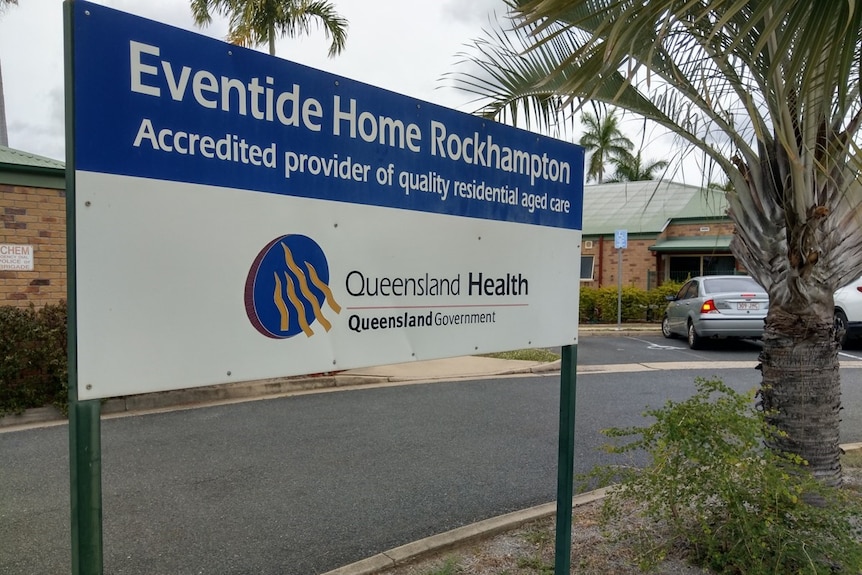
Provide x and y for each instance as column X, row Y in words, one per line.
column 767, row 89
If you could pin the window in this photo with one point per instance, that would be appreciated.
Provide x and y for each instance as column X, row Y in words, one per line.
column 718, row 265
column 687, row 291
column 680, row 268
column 587, row 268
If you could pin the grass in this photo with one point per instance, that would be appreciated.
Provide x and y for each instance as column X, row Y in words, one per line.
column 538, row 537
column 536, row 564
column 448, row 567
column 538, row 354
column 852, row 458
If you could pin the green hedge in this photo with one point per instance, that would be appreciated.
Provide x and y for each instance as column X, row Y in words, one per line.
column 33, row 366
column 599, row 305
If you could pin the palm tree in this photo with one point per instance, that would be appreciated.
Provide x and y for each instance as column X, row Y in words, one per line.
column 632, row 168
column 603, row 137
column 768, row 90
column 256, row 22
column 6, row 3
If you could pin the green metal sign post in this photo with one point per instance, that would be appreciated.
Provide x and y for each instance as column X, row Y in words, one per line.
column 85, row 466
column 85, row 445
column 566, row 460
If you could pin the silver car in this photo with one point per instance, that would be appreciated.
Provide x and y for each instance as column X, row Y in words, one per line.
column 716, row 306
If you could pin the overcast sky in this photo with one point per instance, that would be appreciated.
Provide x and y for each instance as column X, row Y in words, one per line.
column 402, row 45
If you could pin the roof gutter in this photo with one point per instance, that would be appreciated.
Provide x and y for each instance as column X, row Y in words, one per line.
column 35, row 170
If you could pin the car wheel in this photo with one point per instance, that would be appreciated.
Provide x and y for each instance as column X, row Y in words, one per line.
column 841, row 327
column 665, row 328
column 694, row 340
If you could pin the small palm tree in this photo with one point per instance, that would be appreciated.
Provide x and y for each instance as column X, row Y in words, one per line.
column 632, row 168
column 603, row 137
column 256, row 22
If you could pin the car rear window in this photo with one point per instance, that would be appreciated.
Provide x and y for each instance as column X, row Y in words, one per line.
column 740, row 284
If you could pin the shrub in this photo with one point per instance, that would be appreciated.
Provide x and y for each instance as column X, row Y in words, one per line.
column 600, row 304
column 738, row 507
column 33, row 365
column 657, row 297
column 588, row 305
column 633, row 303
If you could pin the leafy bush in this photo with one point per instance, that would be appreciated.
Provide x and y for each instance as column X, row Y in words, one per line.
column 599, row 305
column 33, row 364
column 736, row 506
column 588, row 310
column 657, row 297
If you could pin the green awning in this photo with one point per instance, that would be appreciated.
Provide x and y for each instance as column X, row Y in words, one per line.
column 701, row 245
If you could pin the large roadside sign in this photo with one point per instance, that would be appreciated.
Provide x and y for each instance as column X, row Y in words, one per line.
column 239, row 216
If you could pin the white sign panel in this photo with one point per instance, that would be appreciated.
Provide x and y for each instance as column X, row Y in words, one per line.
column 243, row 217
column 16, row 257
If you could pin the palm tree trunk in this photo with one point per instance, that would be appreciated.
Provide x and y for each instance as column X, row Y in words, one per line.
column 272, row 39
column 801, row 390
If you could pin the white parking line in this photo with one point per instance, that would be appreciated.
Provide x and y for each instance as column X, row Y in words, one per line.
column 653, row 345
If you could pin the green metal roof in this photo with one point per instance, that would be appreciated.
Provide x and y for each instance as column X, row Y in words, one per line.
column 646, row 207
column 20, row 168
column 703, row 244
column 25, row 159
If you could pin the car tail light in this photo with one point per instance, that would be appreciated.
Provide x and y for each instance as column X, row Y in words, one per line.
column 859, row 288
column 747, row 295
column 708, row 307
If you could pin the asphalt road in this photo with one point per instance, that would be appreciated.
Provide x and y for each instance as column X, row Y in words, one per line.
column 651, row 347
column 648, row 348
column 304, row 484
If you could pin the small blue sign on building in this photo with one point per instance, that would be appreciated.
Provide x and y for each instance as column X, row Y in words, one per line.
column 621, row 239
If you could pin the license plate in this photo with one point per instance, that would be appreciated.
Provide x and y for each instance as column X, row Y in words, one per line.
column 748, row 305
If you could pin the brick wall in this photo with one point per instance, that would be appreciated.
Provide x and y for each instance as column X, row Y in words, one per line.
column 698, row 230
column 638, row 260
column 35, row 217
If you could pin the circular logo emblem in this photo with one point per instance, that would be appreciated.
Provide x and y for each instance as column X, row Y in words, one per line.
column 287, row 288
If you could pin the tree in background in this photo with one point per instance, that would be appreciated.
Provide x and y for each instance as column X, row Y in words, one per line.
column 632, row 168
column 256, row 22
column 604, row 139
column 769, row 91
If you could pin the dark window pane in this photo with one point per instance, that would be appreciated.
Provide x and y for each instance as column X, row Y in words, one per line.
column 680, row 268
column 587, row 267
column 719, row 265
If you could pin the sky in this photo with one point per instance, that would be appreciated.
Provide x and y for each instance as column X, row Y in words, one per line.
column 406, row 46
column 402, row 45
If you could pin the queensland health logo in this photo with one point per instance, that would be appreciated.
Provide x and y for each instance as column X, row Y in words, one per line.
column 288, row 288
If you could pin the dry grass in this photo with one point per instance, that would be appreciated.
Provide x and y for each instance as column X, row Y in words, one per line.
column 529, row 549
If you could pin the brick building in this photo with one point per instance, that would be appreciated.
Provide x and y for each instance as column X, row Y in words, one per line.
column 674, row 231
column 32, row 229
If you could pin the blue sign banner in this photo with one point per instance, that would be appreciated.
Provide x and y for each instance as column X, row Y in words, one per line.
column 166, row 104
